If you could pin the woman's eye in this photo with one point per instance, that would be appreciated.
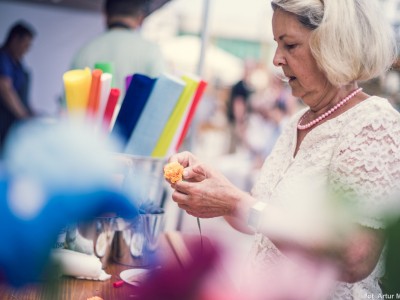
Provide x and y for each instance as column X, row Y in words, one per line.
column 290, row 46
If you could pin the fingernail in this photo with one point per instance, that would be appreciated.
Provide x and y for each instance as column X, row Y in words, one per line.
column 185, row 173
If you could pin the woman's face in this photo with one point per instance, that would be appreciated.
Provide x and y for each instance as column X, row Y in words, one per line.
column 293, row 54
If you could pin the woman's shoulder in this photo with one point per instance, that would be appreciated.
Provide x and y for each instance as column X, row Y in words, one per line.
column 377, row 104
column 373, row 118
column 374, row 110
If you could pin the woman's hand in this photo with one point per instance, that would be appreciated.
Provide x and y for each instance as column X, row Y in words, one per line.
column 187, row 160
column 204, row 192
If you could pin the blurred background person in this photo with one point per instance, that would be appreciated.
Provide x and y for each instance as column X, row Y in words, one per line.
column 263, row 115
column 271, row 107
column 122, row 44
column 14, row 78
column 265, row 126
column 238, row 106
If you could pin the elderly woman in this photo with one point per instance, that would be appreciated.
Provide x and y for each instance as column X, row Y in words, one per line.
column 344, row 141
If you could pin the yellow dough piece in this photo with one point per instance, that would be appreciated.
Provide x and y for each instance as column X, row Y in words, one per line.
column 173, row 171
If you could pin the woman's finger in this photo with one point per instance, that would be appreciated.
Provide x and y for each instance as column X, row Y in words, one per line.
column 195, row 173
column 184, row 187
column 185, row 158
column 179, row 197
column 192, row 213
column 183, row 206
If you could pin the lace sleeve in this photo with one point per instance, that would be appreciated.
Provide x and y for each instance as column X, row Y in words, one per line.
column 365, row 167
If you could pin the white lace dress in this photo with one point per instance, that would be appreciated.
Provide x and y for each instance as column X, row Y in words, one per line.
column 359, row 150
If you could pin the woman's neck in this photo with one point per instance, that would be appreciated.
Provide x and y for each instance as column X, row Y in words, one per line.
column 331, row 97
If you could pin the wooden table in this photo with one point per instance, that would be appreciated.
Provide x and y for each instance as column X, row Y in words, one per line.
column 172, row 248
column 70, row 288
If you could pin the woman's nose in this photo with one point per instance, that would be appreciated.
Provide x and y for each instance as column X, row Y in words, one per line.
column 279, row 59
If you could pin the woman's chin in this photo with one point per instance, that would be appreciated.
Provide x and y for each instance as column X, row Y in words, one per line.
column 295, row 88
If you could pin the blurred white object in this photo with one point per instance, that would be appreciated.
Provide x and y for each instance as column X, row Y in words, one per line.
column 392, row 82
column 134, row 276
column 45, row 157
column 79, row 265
column 64, row 154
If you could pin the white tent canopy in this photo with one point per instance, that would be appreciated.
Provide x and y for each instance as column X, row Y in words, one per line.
column 240, row 19
column 182, row 54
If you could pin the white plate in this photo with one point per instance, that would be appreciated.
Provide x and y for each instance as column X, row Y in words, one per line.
column 129, row 275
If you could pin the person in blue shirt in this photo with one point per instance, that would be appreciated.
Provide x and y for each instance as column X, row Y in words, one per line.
column 14, row 78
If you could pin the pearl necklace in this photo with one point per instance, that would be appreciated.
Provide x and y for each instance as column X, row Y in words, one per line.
column 328, row 113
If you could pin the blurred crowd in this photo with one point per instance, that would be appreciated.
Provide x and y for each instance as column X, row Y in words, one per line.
column 237, row 125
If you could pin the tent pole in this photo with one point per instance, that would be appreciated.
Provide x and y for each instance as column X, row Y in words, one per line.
column 204, row 32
